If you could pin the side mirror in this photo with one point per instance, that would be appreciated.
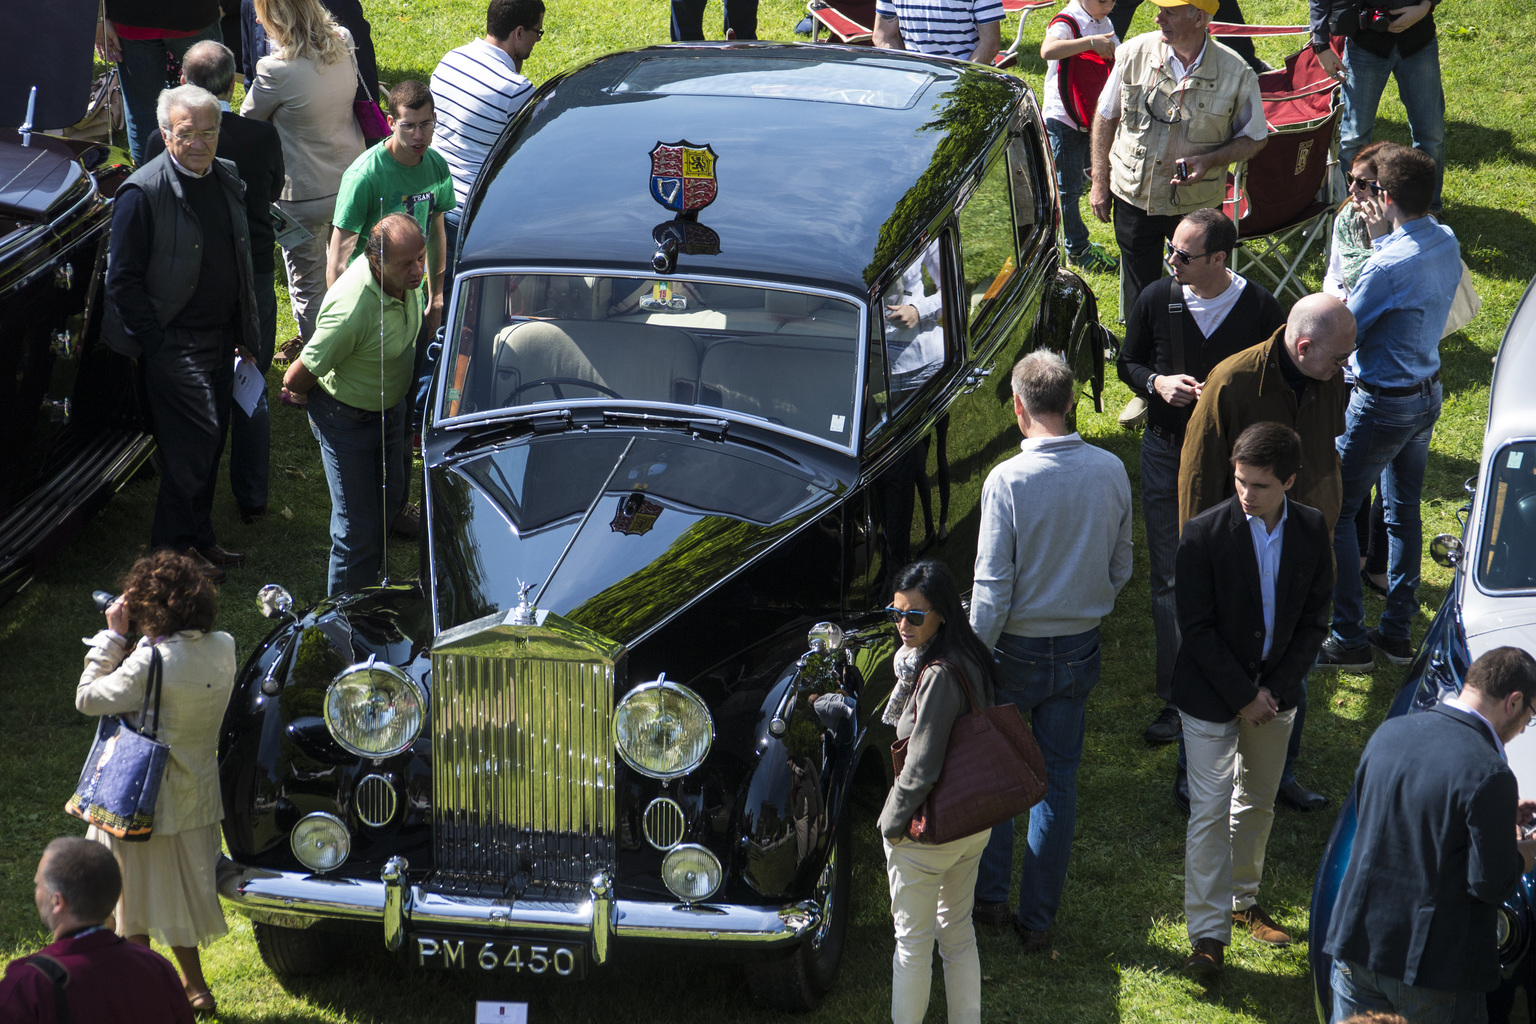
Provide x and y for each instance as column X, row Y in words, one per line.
column 1446, row 550
column 273, row 601
column 824, row 636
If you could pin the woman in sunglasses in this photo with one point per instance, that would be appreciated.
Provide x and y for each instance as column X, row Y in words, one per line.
column 932, row 884
column 1351, row 234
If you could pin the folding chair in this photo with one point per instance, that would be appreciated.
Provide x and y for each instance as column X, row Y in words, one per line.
column 848, row 21
column 1009, row 57
column 1280, row 198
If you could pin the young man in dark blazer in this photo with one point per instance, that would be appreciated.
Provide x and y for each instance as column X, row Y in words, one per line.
column 1255, row 573
column 1436, row 851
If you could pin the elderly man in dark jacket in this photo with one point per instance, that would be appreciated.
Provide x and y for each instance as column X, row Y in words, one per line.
column 1436, row 851
column 181, row 298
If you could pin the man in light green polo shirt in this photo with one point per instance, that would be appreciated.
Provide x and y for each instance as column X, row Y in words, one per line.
column 357, row 366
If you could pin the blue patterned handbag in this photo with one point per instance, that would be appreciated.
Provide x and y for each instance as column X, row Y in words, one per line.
column 120, row 782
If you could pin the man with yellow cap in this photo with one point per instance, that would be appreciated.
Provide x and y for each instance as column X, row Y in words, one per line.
column 1178, row 108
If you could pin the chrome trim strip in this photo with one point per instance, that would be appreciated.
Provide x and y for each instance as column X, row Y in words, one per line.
column 294, row 899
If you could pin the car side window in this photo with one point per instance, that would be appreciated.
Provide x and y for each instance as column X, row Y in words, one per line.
column 988, row 250
column 915, row 324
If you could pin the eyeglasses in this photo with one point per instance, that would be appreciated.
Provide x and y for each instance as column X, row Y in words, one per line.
column 1183, row 257
column 912, row 615
column 1351, row 181
column 412, row 127
column 539, row 32
column 211, row 136
column 1175, row 101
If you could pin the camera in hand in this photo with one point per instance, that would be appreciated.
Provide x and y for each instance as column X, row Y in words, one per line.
column 102, row 599
column 1375, row 17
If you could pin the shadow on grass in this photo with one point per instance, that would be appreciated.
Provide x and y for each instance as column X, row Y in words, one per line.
column 1253, row 994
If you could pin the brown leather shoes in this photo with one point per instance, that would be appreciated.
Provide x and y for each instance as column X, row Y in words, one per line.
column 212, row 572
column 222, row 556
column 1261, row 926
column 1205, row 962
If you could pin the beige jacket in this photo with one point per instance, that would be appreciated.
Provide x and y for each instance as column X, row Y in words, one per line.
column 1145, row 151
column 199, row 673
column 310, row 105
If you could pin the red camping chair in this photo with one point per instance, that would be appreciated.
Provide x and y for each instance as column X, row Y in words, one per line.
column 1280, row 199
column 847, row 21
column 1009, row 57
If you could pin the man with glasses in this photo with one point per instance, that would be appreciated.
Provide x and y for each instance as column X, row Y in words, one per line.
column 1053, row 552
column 402, row 175
column 1178, row 108
column 1437, row 850
column 1294, row 378
column 1179, row 329
column 181, row 298
column 1401, row 302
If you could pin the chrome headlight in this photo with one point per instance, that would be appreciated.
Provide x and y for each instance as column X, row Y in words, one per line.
column 321, row 842
column 691, row 872
column 374, row 710
column 663, row 730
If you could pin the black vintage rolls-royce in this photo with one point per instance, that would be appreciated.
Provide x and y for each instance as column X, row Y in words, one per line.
column 724, row 317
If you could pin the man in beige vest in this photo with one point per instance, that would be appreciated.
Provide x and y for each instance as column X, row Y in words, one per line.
column 1178, row 108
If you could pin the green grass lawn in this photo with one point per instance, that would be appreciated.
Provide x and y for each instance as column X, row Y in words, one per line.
column 1119, row 939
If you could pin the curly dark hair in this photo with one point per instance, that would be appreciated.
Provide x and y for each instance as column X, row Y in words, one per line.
column 166, row 592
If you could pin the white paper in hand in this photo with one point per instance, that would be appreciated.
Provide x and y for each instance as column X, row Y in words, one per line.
column 501, row 1013
column 249, row 384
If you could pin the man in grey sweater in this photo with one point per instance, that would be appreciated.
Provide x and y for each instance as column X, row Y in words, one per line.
column 1054, row 550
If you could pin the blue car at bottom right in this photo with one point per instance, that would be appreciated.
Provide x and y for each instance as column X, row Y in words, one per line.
column 1491, row 603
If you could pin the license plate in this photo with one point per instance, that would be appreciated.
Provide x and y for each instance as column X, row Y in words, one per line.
column 500, row 956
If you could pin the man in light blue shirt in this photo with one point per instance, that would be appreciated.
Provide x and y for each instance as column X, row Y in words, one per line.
column 1400, row 305
column 1053, row 552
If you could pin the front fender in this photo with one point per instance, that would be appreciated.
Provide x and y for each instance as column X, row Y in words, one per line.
column 1069, row 323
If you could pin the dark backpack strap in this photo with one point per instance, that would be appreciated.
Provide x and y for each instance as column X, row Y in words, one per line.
column 59, row 975
column 1176, row 324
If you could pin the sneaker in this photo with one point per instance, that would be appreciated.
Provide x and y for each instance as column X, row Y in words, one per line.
column 1334, row 654
column 407, row 522
column 1261, row 926
column 1397, row 650
column 1165, row 728
column 1134, row 414
column 1205, row 962
column 1095, row 259
column 289, row 351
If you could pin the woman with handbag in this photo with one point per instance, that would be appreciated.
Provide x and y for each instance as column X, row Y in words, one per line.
column 169, row 890
column 306, row 88
column 932, row 884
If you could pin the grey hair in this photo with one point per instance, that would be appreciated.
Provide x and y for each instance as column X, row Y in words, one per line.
column 211, row 65
column 184, row 97
column 1043, row 380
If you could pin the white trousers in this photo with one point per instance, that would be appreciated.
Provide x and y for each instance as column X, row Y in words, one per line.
column 305, row 262
column 933, row 887
column 1234, row 773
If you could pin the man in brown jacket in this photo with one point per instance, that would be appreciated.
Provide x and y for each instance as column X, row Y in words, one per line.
column 1294, row 378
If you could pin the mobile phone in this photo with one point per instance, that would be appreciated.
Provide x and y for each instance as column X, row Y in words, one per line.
column 1183, row 169
column 1528, row 831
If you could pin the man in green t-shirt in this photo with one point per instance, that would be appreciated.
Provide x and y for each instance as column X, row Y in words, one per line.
column 355, row 368
column 402, row 175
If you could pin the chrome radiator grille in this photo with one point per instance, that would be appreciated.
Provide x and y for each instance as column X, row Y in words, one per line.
column 522, row 774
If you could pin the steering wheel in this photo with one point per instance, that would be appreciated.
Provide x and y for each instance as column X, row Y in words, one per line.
column 555, row 382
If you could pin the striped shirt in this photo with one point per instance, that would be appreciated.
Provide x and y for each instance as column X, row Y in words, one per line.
column 944, row 28
column 475, row 89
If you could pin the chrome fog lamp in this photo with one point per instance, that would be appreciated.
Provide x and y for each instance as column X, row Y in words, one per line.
column 663, row 730
column 374, row 710
column 321, row 842
column 691, row 872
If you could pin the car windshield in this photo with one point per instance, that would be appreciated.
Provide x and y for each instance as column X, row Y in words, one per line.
column 1506, row 557
column 787, row 358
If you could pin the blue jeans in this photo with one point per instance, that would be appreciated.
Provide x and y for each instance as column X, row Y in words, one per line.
column 1160, row 512
column 250, row 437
column 1418, row 86
column 1389, row 438
column 1357, row 990
column 1069, row 149
column 142, row 70
column 1049, row 679
column 349, row 450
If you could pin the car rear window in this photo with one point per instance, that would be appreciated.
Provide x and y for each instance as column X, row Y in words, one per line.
column 783, row 79
column 1506, row 558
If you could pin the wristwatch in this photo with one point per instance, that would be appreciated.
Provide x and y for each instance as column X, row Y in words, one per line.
column 1319, row 47
column 1152, row 384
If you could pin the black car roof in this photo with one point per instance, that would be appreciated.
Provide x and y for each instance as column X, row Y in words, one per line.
column 824, row 186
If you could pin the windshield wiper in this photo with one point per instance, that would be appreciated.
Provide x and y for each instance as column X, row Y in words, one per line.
column 710, row 428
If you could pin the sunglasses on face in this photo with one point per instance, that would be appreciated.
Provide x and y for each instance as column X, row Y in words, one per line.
column 1353, row 181
column 912, row 615
column 1185, row 257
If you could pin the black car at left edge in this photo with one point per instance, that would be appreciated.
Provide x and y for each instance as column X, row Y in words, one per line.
column 724, row 318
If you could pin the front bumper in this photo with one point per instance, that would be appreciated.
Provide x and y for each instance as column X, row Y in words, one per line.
column 293, row 899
